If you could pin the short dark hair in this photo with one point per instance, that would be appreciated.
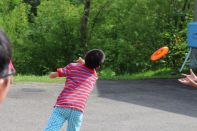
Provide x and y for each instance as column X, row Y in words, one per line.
column 94, row 58
column 5, row 54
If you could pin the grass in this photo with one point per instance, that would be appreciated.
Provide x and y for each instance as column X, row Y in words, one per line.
column 33, row 78
column 162, row 73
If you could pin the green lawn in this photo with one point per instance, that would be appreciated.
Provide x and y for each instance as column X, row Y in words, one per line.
column 33, row 78
column 162, row 73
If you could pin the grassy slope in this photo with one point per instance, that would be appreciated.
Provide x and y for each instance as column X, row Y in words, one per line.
column 162, row 73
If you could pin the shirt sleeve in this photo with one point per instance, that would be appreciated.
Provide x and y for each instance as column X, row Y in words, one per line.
column 63, row 72
column 11, row 67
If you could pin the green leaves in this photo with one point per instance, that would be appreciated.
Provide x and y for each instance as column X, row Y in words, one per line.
column 128, row 31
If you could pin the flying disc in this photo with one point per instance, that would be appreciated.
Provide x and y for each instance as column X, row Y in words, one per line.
column 158, row 54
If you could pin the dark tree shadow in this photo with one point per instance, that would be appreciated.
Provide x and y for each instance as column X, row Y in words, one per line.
column 163, row 94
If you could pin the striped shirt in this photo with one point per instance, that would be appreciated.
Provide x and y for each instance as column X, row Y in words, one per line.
column 80, row 81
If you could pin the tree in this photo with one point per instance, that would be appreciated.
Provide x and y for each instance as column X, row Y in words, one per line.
column 84, row 24
column 33, row 11
column 195, row 14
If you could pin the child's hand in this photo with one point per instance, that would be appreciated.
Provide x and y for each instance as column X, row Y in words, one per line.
column 80, row 60
column 53, row 75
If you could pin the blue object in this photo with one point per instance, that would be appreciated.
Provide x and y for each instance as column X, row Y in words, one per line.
column 192, row 44
column 60, row 115
column 192, row 34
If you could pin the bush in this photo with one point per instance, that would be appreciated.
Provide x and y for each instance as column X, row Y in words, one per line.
column 128, row 31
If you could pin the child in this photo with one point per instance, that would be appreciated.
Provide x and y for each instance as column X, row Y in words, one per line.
column 80, row 79
column 6, row 67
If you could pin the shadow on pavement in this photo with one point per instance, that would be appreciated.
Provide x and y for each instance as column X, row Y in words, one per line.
column 163, row 94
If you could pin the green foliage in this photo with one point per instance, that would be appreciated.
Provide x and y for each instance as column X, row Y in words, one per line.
column 15, row 22
column 107, row 73
column 128, row 31
column 54, row 35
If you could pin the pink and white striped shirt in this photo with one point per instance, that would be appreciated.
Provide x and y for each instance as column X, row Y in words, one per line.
column 80, row 81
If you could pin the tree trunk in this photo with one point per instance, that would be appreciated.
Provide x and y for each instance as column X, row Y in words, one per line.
column 33, row 11
column 84, row 24
column 195, row 12
column 100, row 11
column 185, row 10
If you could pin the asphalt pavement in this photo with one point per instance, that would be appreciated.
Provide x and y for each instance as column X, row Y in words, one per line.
column 125, row 105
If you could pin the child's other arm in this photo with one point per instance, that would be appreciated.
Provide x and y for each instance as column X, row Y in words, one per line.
column 80, row 60
column 53, row 74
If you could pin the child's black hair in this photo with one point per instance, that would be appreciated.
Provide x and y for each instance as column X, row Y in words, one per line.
column 5, row 53
column 94, row 58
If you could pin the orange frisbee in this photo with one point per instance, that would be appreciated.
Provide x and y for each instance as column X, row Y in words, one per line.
column 158, row 54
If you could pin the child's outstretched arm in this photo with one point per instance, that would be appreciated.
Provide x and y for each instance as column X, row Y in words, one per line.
column 53, row 74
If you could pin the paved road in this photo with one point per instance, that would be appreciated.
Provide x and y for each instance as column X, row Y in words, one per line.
column 133, row 105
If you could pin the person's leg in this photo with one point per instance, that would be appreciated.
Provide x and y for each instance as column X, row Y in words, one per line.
column 57, row 119
column 75, row 120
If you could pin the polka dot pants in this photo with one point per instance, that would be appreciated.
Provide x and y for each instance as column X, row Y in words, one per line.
column 60, row 115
